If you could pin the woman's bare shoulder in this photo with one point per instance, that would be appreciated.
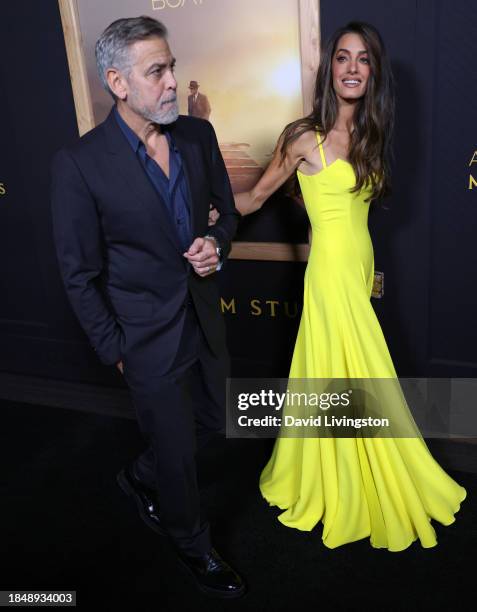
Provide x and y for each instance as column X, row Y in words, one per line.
column 306, row 142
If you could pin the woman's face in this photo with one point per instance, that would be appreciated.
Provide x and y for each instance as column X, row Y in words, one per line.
column 350, row 68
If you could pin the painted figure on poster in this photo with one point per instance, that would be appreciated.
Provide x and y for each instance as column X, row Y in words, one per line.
column 197, row 103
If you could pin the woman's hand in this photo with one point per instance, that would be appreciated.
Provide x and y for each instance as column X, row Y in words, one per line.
column 213, row 215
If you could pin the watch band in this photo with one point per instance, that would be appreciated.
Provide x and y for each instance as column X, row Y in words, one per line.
column 218, row 250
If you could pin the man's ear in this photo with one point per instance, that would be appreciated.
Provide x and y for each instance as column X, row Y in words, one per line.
column 117, row 83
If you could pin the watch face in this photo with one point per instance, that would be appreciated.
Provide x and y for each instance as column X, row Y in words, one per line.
column 213, row 239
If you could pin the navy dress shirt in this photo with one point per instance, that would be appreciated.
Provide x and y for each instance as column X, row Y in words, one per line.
column 173, row 190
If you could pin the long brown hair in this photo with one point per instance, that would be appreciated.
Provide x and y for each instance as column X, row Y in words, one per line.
column 370, row 144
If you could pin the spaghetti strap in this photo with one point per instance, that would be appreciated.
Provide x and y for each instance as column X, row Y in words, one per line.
column 320, row 146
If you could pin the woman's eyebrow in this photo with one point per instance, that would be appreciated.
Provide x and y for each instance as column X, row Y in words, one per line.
column 348, row 51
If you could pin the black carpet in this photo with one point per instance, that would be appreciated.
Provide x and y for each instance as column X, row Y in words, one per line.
column 67, row 525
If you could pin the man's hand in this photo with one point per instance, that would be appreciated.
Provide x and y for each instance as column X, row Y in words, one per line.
column 119, row 365
column 203, row 256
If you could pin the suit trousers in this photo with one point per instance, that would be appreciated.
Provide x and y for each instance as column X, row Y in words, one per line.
column 182, row 411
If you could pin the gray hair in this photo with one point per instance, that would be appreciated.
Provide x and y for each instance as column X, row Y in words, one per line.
column 112, row 47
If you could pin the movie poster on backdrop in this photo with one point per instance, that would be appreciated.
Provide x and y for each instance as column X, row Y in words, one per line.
column 244, row 65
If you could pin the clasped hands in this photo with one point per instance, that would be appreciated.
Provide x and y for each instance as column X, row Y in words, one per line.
column 202, row 255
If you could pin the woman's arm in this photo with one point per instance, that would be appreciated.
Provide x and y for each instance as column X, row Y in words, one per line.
column 274, row 176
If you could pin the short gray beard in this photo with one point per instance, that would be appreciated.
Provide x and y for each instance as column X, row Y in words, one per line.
column 161, row 117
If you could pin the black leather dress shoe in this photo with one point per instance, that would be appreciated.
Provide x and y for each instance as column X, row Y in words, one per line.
column 213, row 575
column 144, row 497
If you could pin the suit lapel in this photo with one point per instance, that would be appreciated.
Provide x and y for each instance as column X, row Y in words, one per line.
column 129, row 170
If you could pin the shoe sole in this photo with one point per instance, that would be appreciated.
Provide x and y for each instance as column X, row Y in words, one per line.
column 129, row 491
column 210, row 591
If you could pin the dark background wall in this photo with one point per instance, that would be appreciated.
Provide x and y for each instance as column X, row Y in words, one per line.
column 424, row 243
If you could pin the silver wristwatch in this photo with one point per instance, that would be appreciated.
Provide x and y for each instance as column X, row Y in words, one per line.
column 218, row 248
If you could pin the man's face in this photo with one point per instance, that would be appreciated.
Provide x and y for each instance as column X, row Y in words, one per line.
column 151, row 85
column 193, row 90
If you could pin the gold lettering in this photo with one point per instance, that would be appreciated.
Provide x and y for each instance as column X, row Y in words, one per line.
column 472, row 182
column 257, row 311
column 287, row 310
column 474, row 159
column 226, row 307
column 160, row 5
column 3, row 189
column 272, row 303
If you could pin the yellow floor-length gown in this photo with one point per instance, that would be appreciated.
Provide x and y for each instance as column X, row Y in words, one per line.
column 387, row 489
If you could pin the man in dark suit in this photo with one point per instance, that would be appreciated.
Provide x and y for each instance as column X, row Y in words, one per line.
column 197, row 104
column 130, row 207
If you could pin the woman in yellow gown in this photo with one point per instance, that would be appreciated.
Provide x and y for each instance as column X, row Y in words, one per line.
column 387, row 489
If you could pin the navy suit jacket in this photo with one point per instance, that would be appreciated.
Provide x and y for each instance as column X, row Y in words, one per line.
column 118, row 251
